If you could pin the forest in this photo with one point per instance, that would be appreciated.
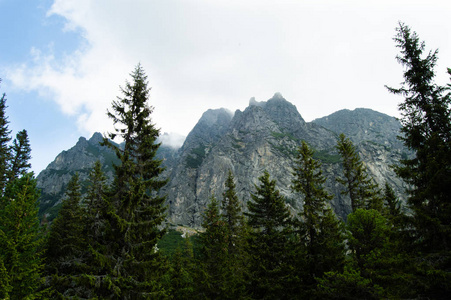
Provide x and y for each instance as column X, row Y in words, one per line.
column 113, row 242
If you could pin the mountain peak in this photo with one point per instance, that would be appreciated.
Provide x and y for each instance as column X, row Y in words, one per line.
column 213, row 116
column 278, row 95
column 253, row 102
column 97, row 137
column 82, row 142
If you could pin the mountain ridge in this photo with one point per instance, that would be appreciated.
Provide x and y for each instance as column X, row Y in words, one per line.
column 264, row 136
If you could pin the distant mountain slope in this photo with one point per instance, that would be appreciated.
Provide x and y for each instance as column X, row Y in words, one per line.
column 363, row 124
column 52, row 181
column 264, row 136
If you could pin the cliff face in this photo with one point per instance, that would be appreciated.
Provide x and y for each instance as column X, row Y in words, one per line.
column 53, row 180
column 264, row 136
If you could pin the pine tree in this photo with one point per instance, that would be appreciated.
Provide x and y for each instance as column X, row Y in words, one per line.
column 321, row 235
column 66, row 244
column 360, row 187
column 138, row 209
column 270, row 247
column 22, row 240
column 214, row 255
column 20, row 156
column 426, row 130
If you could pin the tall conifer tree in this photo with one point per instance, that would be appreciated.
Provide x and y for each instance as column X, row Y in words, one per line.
column 66, row 244
column 22, row 240
column 138, row 209
column 270, row 247
column 426, row 130
column 236, row 239
column 321, row 238
column 232, row 213
column 4, row 147
column 182, row 276
column 20, row 156
column 360, row 187
column 214, row 254
column 98, row 236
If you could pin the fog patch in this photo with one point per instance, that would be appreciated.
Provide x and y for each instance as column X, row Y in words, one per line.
column 173, row 140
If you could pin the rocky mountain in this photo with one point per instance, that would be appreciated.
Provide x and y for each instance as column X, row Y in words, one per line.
column 264, row 136
column 53, row 180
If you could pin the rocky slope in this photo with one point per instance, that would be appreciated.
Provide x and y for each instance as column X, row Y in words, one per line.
column 264, row 136
column 53, row 180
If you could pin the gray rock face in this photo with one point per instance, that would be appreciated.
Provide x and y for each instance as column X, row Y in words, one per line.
column 264, row 136
column 53, row 180
column 80, row 159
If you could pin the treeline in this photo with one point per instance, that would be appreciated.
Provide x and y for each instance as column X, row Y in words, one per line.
column 104, row 245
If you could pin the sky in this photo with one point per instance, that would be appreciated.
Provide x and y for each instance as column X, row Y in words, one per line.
column 62, row 62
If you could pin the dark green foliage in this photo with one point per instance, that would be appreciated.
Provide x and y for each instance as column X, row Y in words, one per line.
column 348, row 285
column 366, row 271
column 236, row 239
column 368, row 234
column 66, row 246
column 392, row 205
column 5, row 287
column 173, row 240
column 325, row 156
column 426, row 130
column 182, row 272
column 321, row 237
column 232, row 215
column 20, row 156
column 197, row 157
column 97, row 234
column 21, row 238
column 270, row 246
column 376, row 253
column 213, row 254
column 138, row 210
column 4, row 147
column 21, row 263
column 360, row 187
column 170, row 242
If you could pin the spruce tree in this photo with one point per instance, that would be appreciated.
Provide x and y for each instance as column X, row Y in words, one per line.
column 98, row 236
column 426, row 130
column 66, row 245
column 22, row 241
column 361, row 188
column 5, row 287
column 321, row 234
column 20, row 156
column 236, row 237
column 392, row 205
column 182, row 274
column 214, row 255
column 4, row 146
column 138, row 209
column 232, row 213
column 270, row 246
column 21, row 238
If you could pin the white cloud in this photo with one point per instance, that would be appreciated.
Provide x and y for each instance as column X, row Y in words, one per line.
column 322, row 56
